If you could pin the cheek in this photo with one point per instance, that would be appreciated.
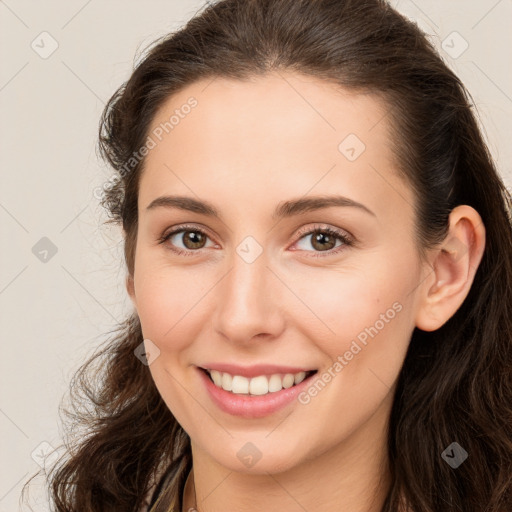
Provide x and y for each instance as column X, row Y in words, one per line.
column 167, row 300
column 362, row 316
column 370, row 320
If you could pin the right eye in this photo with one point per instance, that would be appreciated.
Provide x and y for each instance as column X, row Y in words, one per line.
column 192, row 238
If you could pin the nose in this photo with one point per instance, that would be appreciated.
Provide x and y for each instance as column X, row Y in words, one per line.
column 250, row 302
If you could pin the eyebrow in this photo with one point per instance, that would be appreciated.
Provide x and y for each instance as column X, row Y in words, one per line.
column 283, row 209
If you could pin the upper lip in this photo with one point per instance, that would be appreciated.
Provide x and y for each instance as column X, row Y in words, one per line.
column 255, row 370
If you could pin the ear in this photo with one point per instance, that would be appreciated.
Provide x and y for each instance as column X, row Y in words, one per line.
column 130, row 288
column 453, row 268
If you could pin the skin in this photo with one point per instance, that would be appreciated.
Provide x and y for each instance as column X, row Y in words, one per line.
column 247, row 146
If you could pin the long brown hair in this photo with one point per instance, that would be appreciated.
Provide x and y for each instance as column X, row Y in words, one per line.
column 456, row 382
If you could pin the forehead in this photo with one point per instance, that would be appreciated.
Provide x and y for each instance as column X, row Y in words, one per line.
column 280, row 131
column 294, row 103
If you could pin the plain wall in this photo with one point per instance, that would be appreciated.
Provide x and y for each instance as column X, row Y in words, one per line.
column 55, row 312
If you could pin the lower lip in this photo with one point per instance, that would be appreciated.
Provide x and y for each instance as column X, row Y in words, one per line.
column 252, row 406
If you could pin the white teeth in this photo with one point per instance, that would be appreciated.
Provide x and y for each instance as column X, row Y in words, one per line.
column 240, row 385
column 217, row 377
column 299, row 377
column 260, row 385
column 288, row 380
column 227, row 381
column 275, row 383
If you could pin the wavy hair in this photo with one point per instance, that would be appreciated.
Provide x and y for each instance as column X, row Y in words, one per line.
column 456, row 381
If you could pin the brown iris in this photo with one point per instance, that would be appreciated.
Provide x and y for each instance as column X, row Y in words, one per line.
column 318, row 236
column 196, row 239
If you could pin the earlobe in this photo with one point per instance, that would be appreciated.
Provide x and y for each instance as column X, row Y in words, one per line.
column 453, row 269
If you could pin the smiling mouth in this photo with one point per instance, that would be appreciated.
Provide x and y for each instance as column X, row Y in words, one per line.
column 260, row 385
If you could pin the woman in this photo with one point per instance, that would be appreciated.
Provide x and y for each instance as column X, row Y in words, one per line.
column 319, row 255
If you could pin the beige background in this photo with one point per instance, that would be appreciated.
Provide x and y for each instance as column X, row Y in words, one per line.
column 54, row 313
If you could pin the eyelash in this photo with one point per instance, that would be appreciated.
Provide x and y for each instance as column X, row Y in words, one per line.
column 346, row 239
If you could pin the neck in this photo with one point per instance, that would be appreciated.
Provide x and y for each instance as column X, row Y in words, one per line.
column 352, row 476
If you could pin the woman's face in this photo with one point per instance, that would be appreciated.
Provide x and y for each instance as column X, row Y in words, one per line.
column 253, row 286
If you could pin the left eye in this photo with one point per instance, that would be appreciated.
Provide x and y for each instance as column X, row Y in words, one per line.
column 324, row 239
